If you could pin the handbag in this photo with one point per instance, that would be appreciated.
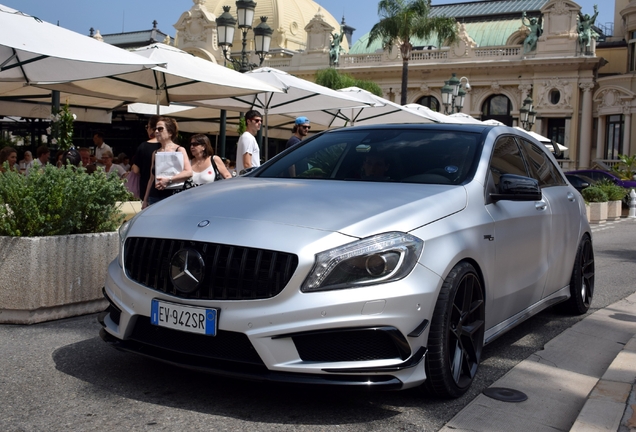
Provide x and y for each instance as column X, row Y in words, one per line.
column 188, row 184
column 216, row 170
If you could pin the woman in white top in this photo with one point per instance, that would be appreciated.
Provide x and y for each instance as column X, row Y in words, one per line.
column 202, row 158
column 166, row 133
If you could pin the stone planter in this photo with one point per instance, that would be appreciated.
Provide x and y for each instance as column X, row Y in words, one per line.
column 598, row 213
column 49, row 278
column 614, row 210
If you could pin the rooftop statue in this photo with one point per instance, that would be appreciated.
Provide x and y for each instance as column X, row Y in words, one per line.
column 536, row 29
column 586, row 32
column 336, row 49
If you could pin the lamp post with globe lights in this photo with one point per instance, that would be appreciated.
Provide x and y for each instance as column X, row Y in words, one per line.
column 226, row 25
column 527, row 114
column 454, row 94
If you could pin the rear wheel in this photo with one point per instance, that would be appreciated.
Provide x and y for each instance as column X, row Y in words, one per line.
column 456, row 337
column 582, row 281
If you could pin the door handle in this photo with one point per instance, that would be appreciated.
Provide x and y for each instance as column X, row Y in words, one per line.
column 571, row 197
column 540, row 205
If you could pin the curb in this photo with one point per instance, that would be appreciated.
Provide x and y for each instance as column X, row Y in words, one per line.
column 611, row 405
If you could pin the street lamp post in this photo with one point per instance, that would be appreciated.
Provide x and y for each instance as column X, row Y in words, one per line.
column 226, row 25
column 453, row 94
column 527, row 114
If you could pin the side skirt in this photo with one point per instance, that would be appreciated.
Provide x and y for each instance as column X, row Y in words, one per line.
column 496, row 331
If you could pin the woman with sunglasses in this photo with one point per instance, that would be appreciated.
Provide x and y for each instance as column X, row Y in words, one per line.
column 166, row 132
column 204, row 163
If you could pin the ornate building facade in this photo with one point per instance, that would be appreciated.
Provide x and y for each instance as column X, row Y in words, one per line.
column 584, row 95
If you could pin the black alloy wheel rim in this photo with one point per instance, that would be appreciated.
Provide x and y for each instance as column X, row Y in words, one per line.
column 587, row 273
column 466, row 330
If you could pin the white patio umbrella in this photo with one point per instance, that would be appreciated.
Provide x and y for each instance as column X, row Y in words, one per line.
column 543, row 140
column 493, row 122
column 378, row 110
column 208, row 120
column 35, row 52
column 184, row 78
column 463, row 118
column 299, row 96
column 438, row 116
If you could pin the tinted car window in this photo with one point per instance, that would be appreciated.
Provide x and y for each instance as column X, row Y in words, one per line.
column 392, row 155
column 506, row 159
column 541, row 167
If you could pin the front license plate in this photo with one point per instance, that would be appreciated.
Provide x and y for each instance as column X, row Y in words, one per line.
column 191, row 319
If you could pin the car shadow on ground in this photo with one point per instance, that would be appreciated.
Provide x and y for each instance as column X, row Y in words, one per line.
column 135, row 377
column 150, row 381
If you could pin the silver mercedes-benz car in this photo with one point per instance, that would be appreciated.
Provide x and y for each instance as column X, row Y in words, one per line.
column 381, row 257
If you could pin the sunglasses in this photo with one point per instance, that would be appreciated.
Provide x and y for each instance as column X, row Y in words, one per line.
column 257, row 120
column 306, row 127
column 194, row 143
column 159, row 129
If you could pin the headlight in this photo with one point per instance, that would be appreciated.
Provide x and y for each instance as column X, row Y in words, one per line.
column 379, row 259
column 123, row 232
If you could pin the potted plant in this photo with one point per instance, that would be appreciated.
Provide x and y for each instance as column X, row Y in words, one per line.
column 57, row 237
column 596, row 200
column 615, row 195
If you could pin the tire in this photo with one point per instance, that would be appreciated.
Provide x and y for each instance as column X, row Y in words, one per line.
column 582, row 281
column 456, row 337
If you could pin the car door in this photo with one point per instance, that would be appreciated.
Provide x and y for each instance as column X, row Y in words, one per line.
column 565, row 205
column 521, row 237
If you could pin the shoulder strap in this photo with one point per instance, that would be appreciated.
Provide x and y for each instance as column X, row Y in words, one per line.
column 216, row 169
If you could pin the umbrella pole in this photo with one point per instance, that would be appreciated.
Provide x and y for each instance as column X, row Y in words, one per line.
column 266, row 135
column 222, row 131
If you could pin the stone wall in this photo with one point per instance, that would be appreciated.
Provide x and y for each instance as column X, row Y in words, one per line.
column 48, row 278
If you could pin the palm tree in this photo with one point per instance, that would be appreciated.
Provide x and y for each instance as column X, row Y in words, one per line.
column 401, row 20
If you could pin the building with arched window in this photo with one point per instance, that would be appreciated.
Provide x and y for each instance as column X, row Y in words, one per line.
column 584, row 96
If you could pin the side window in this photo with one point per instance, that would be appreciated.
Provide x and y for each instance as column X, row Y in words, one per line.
column 506, row 159
column 541, row 167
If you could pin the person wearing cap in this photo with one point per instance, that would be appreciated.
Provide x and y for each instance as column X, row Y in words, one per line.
column 300, row 131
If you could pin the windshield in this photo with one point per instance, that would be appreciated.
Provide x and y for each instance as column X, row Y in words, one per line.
column 388, row 155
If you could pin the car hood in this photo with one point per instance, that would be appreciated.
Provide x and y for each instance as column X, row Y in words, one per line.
column 357, row 209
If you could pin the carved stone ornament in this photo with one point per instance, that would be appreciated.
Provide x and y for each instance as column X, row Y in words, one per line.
column 495, row 87
column 560, row 8
column 586, row 86
column 194, row 29
column 612, row 98
column 463, row 35
column 564, row 88
column 424, row 88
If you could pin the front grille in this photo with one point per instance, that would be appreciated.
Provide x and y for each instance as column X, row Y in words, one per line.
column 231, row 272
column 225, row 345
column 338, row 346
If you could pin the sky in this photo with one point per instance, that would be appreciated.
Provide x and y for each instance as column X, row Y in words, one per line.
column 114, row 16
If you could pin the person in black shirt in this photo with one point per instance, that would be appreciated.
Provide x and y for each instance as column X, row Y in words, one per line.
column 300, row 131
column 142, row 160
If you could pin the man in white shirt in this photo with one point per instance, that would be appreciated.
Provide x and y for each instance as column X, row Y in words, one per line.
column 100, row 146
column 248, row 154
column 43, row 154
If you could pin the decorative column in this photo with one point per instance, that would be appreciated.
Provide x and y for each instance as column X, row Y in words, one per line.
column 600, row 136
column 585, row 137
column 627, row 128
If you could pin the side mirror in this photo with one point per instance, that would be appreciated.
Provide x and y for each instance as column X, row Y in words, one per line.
column 517, row 188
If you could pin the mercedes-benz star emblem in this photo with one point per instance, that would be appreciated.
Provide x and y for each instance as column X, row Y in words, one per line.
column 187, row 269
column 204, row 223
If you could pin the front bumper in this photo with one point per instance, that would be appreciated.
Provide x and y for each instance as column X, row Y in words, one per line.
column 372, row 337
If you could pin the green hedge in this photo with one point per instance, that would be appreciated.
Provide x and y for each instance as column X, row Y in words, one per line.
column 594, row 194
column 613, row 191
column 53, row 201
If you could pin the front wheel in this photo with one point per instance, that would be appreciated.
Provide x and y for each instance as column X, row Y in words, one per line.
column 456, row 336
column 582, row 281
